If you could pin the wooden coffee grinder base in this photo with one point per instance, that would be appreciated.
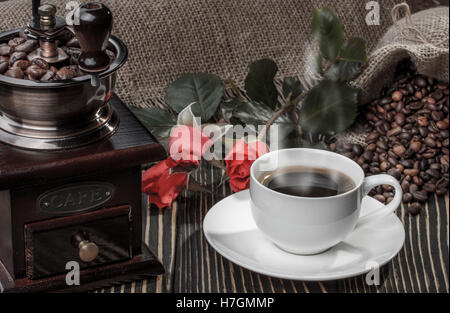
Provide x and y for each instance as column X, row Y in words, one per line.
column 72, row 220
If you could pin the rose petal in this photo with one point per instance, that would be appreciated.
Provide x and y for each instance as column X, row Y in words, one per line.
column 151, row 176
column 239, row 161
column 162, row 187
column 171, row 187
column 239, row 184
column 188, row 143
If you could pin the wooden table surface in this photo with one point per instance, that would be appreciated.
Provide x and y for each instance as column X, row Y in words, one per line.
column 176, row 236
column 191, row 265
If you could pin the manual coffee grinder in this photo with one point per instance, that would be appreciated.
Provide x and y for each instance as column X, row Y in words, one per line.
column 70, row 173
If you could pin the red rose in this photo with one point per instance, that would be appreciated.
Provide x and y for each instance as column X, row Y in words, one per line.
column 240, row 159
column 164, row 181
column 188, row 145
column 161, row 185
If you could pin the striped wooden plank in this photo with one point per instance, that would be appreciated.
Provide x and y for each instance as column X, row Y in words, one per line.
column 176, row 236
column 192, row 266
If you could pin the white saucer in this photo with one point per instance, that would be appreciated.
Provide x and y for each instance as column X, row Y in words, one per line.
column 230, row 229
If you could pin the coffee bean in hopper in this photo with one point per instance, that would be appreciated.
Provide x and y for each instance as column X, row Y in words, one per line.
column 407, row 137
column 3, row 67
column 28, row 46
column 5, row 49
column 41, row 63
column 17, row 56
column 34, row 72
column 14, row 72
column 17, row 53
column 22, row 64
column 66, row 73
column 49, row 75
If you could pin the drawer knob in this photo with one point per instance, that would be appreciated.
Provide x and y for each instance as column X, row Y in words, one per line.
column 87, row 250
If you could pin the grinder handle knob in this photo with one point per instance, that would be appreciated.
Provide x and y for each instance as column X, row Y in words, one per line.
column 92, row 27
column 87, row 250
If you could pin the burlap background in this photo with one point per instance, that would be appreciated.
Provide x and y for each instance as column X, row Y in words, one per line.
column 170, row 37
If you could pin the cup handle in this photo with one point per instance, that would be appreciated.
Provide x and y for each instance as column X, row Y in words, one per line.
column 377, row 180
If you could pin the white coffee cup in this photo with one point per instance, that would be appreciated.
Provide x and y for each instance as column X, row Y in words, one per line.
column 303, row 225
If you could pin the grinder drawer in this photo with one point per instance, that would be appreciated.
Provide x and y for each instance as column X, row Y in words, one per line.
column 91, row 239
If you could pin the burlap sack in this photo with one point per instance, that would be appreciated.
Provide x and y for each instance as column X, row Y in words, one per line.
column 169, row 37
column 423, row 37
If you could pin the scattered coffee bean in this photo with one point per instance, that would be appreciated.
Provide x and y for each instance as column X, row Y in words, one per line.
column 382, row 144
column 397, row 96
column 394, row 132
column 414, row 208
column 357, row 149
column 380, row 198
column 415, row 146
column 420, row 195
column 407, row 137
column 415, row 105
column 400, row 118
column 384, row 166
column 411, row 172
column 368, row 155
column 420, row 82
column 430, row 142
column 428, row 187
column 399, row 150
column 433, row 173
column 407, row 163
column 442, row 125
column 407, row 197
column 422, row 121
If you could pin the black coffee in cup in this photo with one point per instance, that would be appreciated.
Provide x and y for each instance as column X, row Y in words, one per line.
column 303, row 181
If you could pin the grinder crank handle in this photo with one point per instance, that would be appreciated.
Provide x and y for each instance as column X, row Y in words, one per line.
column 35, row 7
column 92, row 27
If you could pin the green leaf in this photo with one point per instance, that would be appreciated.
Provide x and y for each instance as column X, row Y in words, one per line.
column 158, row 121
column 204, row 89
column 343, row 71
column 329, row 32
column 259, row 82
column 254, row 113
column 187, row 117
column 329, row 108
column 227, row 109
column 318, row 64
column 292, row 86
column 354, row 50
